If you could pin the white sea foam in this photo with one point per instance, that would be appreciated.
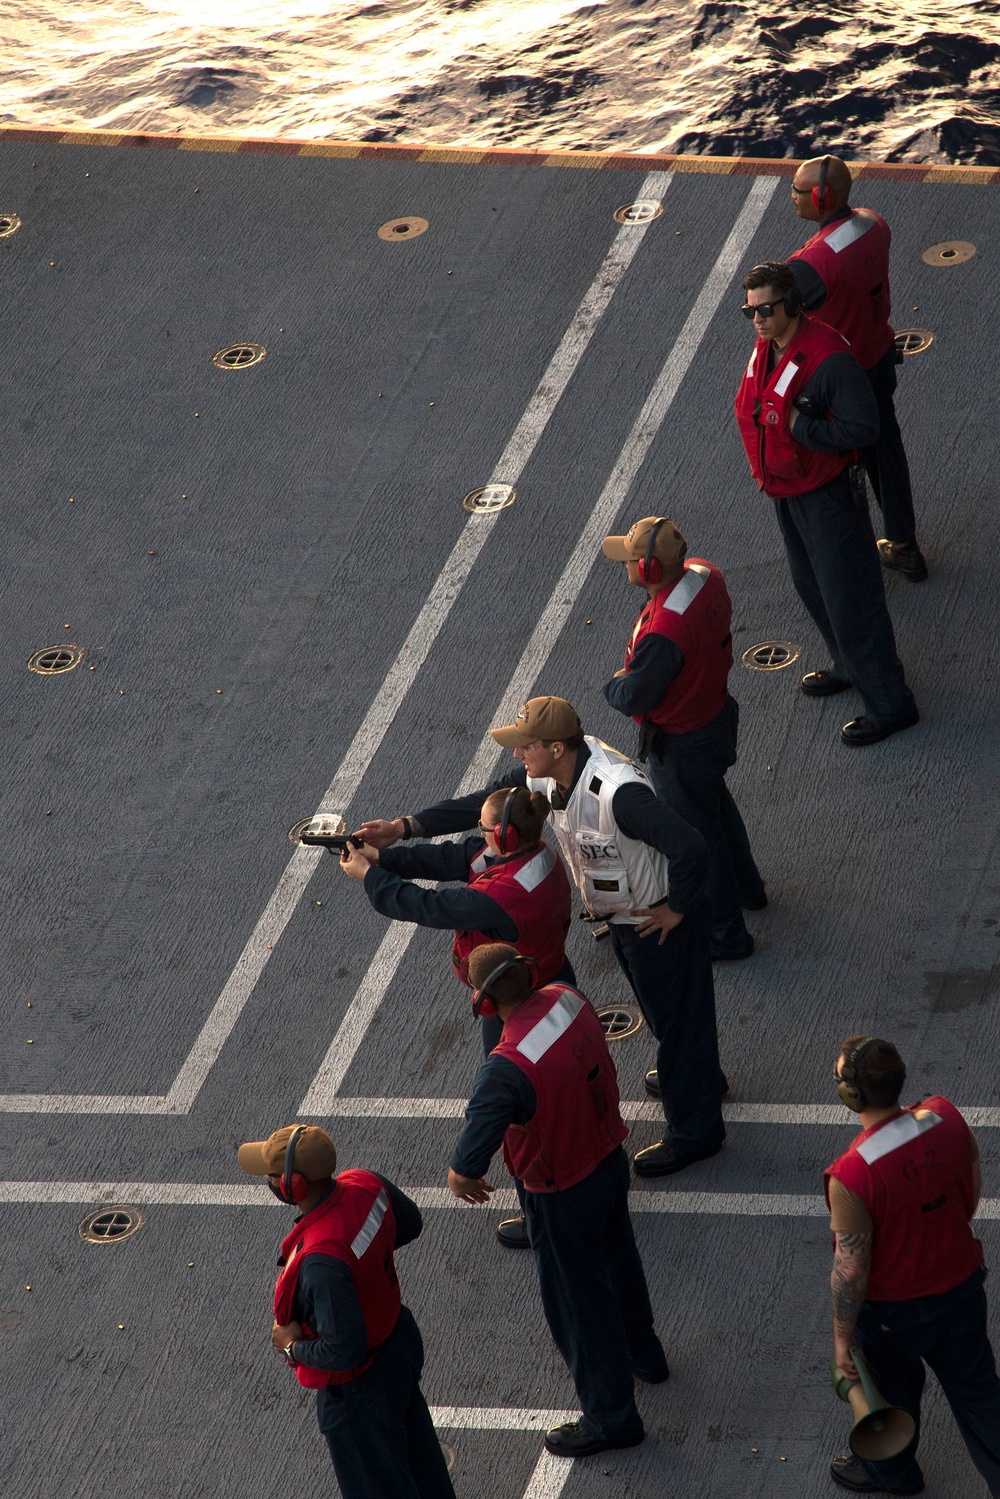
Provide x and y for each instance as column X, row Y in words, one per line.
column 907, row 81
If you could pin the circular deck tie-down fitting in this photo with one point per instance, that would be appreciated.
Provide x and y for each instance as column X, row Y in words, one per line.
column 111, row 1225
column 642, row 211
column 55, row 659
column 618, row 1022
column 10, row 223
column 410, row 227
column 913, row 341
column 771, row 655
column 949, row 252
column 239, row 356
column 489, row 498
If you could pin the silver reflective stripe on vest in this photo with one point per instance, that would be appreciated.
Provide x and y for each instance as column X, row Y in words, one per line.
column 479, row 863
column 900, row 1132
column 534, row 872
column 753, row 361
column 687, row 589
column 786, row 377
column 553, row 1025
column 371, row 1225
column 850, row 230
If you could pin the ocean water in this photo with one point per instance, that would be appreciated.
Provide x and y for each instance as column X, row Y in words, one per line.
column 897, row 80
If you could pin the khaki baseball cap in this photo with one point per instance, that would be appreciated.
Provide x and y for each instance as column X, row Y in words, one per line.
column 670, row 548
column 540, row 718
column 315, row 1155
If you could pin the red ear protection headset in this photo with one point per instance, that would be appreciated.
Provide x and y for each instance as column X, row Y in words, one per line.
column 822, row 196
column 650, row 566
column 483, row 1007
column 506, row 834
column 294, row 1186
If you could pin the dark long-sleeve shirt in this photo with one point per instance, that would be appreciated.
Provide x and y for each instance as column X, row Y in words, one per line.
column 656, row 661
column 389, row 888
column 327, row 1303
column 840, row 388
column 636, row 811
column 502, row 1096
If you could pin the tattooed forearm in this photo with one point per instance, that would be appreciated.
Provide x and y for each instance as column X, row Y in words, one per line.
column 849, row 1280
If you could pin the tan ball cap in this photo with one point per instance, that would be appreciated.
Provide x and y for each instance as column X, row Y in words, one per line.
column 315, row 1155
column 669, row 549
column 540, row 718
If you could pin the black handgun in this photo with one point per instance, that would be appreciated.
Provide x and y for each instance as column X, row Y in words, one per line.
column 326, row 832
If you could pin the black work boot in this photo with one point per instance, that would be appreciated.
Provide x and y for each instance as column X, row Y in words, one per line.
column 849, row 1473
column 903, row 557
column 513, row 1232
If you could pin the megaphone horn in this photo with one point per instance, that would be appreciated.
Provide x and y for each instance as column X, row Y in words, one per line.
column 880, row 1431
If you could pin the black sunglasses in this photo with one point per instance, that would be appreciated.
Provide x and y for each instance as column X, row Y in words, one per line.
column 765, row 309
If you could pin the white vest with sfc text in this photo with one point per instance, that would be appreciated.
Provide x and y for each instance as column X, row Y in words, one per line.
column 615, row 874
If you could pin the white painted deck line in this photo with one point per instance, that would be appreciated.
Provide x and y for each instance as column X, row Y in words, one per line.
column 638, row 1109
column 549, row 1478
column 550, row 1473
column 346, row 1043
column 488, row 1418
column 429, row 1199
column 397, row 682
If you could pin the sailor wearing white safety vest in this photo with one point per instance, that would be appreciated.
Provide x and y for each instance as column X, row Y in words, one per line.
column 639, row 866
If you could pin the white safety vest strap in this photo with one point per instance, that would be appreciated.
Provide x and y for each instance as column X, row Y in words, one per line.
column 551, row 1026
column 849, row 231
column 371, row 1225
column 900, row 1132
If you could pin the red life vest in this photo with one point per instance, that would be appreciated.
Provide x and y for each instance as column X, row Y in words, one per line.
column 695, row 612
column 354, row 1224
column 533, row 889
column 852, row 256
column 914, row 1175
column 556, row 1039
column 781, row 465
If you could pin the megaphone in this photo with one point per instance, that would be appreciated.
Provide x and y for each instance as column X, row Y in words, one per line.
column 880, row 1431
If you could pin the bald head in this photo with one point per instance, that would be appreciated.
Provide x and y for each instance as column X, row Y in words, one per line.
column 838, row 180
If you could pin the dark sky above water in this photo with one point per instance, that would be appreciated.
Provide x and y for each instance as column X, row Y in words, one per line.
column 881, row 79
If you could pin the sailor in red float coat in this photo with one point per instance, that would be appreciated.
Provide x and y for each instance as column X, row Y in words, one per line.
column 674, row 685
column 519, row 894
column 339, row 1320
column 549, row 1094
column 803, row 407
column 907, row 1282
column 842, row 273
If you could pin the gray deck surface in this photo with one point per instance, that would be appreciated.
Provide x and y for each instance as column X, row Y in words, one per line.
column 317, row 519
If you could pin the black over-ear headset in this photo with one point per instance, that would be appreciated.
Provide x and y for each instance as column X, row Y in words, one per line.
column 294, row 1186
column 650, row 566
column 506, row 834
column 849, row 1088
column 483, row 1007
column 823, row 196
column 792, row 298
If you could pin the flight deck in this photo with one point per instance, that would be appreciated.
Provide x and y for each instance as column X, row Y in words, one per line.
column 250, row 590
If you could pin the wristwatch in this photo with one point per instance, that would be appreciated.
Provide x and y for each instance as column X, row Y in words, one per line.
column 288, row 1354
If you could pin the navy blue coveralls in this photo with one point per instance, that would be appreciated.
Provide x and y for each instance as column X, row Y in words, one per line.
column 831, row 548
column 593, row 1286
column 885, row 458
column 672, row 983
column 378, row 1428
column 688, row 772
column 948, row 1332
